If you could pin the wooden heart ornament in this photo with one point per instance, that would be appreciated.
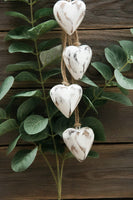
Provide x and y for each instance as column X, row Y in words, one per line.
column 66, row 98
column 79, row 141
column 69, row 15
column 77, row 60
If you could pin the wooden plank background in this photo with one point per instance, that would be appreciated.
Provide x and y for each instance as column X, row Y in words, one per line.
column 110, row 176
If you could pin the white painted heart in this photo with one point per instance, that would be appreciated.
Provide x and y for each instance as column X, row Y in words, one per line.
column 79, row 141
column 69, row 15
column 66, row 98
column 77, row 60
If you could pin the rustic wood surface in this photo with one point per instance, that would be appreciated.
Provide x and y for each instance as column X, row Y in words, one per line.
column 110, row 176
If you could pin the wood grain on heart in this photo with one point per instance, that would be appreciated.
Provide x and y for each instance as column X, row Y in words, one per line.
column 66, row 98
column 79, row 141
column 69, row 15
column 77, row 60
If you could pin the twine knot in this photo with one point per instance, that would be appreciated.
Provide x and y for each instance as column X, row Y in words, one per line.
column 77, row 125
column 77, row 43
column 65, row 83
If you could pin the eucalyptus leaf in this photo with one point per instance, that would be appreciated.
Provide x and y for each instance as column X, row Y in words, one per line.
column 52, row 109
column 43, row 12
column 26, row 76
column 23, row 159
column 51, row 55
column 116, row 56
column 103, row 69
column 20, row 47
column 8, row 126
column 117, row 97
column 22, row 66
column 26, row 1
column 128, row 48
column 123, row 81
column 33, row 138
column 34, row 124
column 42, row 28
column 93, row 154
column 90, row 103
column 26, row 108
column 96, row 126
column 36, row 93
column 48, row 44
column 6, row 85
column 131, row 30
column 18, row 33
column 3, row 114
column 61, row 124
column 51, row 73
column 87, row 80
column 13, row 145
column 18, row 15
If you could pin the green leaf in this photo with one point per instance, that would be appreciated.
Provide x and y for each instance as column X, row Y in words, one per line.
column 93, row 154
column 90, row 103
column 116, row 56
column 33, row 138
column 117, row 97
column 13, row 145
column 52, row 109
column 128, row 48
column 22, row 66
column 26, row 108
column 18, row 15
column 18, row 33
column 8, row 126
column 123, row 81
column 6, row 85
column 96, row 126
column 61, row 124
column 131, row 30
column 51, row 73
column 26, row 76
column 42, row 28
column 51, row 55
column 20, row 47
column 103, row 69
column 3, row 114
column 48, row 44
column 36, row 93
column 26, row 1
column 34, row 124
column 23, row 159
column 43, row 12
column 86, row 80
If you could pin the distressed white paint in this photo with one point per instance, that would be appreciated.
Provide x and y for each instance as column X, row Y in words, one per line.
column 77, row 60
column 66, row 98
column 79, row 141
column 69, row 15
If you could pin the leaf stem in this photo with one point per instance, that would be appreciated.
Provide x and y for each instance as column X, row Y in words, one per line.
column 45, row 97
column 106, row 84
column 47, row 162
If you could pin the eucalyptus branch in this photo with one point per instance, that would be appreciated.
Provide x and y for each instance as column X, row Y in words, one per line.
column 106, row 85
column 44, row 93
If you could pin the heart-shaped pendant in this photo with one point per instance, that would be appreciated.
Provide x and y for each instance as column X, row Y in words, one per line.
column 66, row 98
column 69, row 15
column 79, row 141
column 77, row 60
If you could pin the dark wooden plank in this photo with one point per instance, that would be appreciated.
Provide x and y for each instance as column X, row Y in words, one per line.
column 99, row 14
column 110, row 176
column 98, row 40
column 116, row 118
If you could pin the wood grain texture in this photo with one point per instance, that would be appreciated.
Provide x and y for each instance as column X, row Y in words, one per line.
column 116, row 118
column 99, row 14
column 97, row 40
column 110, row 176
